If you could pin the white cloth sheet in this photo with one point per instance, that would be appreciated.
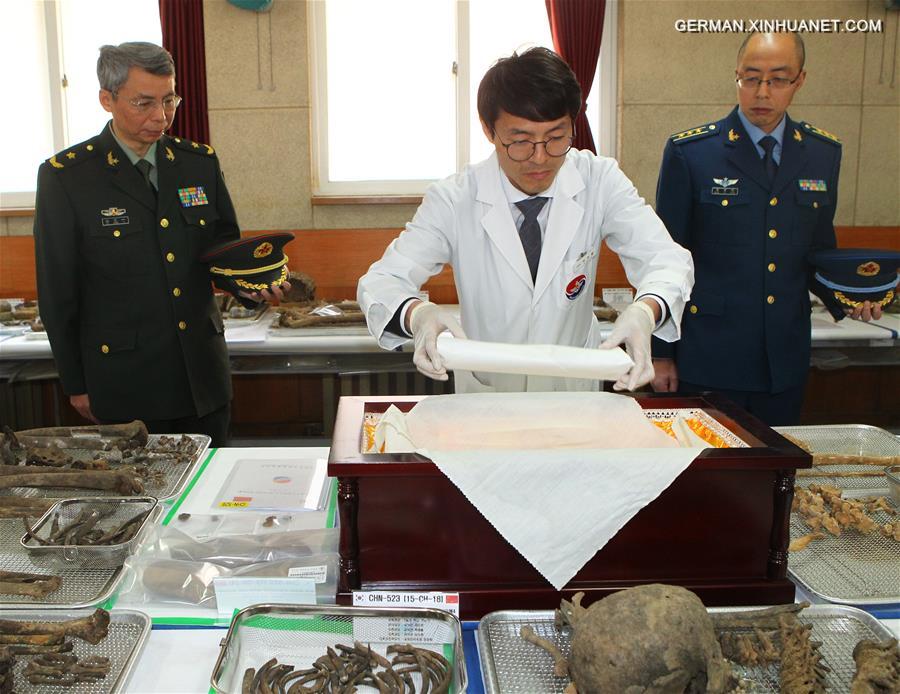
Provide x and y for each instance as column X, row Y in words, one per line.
column 557, row 474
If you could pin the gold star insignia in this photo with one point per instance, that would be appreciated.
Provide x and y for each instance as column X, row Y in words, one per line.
column 170, row 155
column 70, row 155
column 195, row 145
column 733, row 136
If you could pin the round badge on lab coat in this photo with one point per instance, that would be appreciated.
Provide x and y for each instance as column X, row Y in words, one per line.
column 575, row 287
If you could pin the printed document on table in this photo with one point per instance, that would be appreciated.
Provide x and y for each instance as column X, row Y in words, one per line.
column 275, row 485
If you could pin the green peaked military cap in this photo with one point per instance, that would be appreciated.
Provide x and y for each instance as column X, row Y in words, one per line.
column 250, row 264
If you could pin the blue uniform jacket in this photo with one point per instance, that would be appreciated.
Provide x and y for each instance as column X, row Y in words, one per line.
column 747, row 326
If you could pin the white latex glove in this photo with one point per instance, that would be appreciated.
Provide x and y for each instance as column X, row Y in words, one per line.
column 633, row 328
column 426, row 322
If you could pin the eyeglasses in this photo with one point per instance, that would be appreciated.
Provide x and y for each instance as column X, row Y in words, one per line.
column 143, row 104
column 523, row 150
column 754, row 83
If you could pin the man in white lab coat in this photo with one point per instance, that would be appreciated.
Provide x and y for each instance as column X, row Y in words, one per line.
column 522, row 230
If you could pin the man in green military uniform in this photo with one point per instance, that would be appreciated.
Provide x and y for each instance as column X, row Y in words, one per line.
column 120, row 222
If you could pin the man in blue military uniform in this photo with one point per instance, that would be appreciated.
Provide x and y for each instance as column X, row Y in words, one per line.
column 750, row 196
column 121, row 221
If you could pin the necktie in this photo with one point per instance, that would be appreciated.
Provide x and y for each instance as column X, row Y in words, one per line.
column 768, row 144
column 144, row 167
column 530, row 231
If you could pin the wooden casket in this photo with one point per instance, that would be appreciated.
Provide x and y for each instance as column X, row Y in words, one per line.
column 721, row 529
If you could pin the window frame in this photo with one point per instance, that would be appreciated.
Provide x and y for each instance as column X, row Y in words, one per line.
column 25, row 199
column 605, row 131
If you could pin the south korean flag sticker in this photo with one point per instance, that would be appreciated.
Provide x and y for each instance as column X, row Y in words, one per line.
column 575, row 287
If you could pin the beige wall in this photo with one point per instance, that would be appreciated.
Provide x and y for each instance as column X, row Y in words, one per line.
column 259, row 103
column 673, row 81
column 259, row 120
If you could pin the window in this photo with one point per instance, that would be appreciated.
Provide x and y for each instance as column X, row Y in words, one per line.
column 51, row 49
column 394, row 87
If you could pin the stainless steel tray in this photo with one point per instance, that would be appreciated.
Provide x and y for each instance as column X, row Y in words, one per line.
column 119, row 510
column 128, row 633
column 846, row 439
column 510, row 664
column 852, row 569
column 298, row 634
column 81, row 587
column 167, row 482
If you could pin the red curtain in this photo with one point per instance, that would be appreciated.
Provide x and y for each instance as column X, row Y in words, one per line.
column 577, row 29
column 182, row 34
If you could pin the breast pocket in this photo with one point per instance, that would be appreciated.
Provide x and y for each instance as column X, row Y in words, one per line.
column 112, row 249
column 723, row 218
column 809, row 206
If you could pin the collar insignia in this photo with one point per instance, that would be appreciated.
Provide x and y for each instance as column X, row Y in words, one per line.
column 797, row 136
column 733, row 136
column 110, row 159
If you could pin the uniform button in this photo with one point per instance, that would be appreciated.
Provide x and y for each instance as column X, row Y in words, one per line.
column 771, row 267
column 170, row 257
column 815, row 206
column 164, row 223
column 772, row 233
column 176, row 291
column 182, row 325
column 724, row 203
column 770, row 299
column 104, row 349
column 203, row 222
column 90, row 148
column 773, row 202
column 117, row 233
column 694, row 309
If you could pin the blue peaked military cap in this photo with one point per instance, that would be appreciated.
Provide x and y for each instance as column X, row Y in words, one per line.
column 250, row 264
column 846, row 277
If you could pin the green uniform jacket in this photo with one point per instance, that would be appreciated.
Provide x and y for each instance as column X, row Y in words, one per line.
column 128, row 307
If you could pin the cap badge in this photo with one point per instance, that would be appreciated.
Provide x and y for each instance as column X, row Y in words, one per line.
column 813, row 184
column 193, row 196
column 262, row 250
column 869, row 269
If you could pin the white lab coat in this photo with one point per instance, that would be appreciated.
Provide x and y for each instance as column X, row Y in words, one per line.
column 465, row 220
